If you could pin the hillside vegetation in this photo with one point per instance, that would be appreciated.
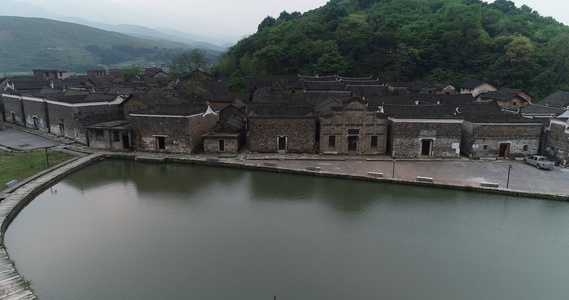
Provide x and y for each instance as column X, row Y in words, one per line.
column 411, row 40
column 35, row 43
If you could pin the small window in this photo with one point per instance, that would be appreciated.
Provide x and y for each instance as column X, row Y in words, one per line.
column 485, row 147
column 116, row 136
column 526, row 147
column 332, row 141
column 374, row 141
column 221, row 145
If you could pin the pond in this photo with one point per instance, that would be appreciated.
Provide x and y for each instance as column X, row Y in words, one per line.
column 127, row 230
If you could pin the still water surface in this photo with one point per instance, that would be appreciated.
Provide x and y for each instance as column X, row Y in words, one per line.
column 125, row 230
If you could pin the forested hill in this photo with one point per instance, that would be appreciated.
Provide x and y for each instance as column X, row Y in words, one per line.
column 411, row 40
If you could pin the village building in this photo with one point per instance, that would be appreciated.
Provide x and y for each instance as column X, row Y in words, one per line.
column 96, row 73
column 112, row 135
column 506, row 97
column 556, row 145
column 50, row 74
column 488, row 131
column 351, row 127
column 227, row 137
column 476, row 87
column 282, row 127
column 172, row 128
column 421, row 88
column 423, row 130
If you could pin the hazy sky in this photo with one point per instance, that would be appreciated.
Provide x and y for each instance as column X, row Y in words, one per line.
column 215, row 17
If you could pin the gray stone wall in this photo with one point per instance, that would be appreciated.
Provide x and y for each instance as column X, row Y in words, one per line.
column 175, row 132
column 231, row 145
column 522, row 139
column 13, row 108
column 357, row 122
column 299, row 132
column 36, row 117
column 557, row 143
column 406, row 139
column 198, row 126
column 181, row 135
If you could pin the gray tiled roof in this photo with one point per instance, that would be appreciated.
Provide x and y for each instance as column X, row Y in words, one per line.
column 558, row 99
column 174, row 110
column 289, row 110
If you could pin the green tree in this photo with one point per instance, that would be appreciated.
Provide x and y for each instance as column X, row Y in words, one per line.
column 133, row 72
column 194, row 92
column 189, row 61
column 237, row 83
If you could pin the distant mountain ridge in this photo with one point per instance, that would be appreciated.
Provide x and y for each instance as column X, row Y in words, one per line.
column 77, row 48
column 218, row 43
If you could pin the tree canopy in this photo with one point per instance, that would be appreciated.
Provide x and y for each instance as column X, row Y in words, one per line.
column 410, row 40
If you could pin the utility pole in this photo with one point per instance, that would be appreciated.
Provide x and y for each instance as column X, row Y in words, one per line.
column 508, row 183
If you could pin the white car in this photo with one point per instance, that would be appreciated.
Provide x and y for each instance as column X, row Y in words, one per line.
column 540, row 162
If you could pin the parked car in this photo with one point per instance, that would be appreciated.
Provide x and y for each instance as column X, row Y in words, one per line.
column 541, row 162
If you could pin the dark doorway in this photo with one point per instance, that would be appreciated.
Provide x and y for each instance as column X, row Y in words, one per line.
column 281, row 140
column 125, row 141
column 14, row 118
column 61, row 129
column 36, row 123
column 426, row 147
column 221, row 145
column 504, row 150
column 161, row 142
column 352, row 143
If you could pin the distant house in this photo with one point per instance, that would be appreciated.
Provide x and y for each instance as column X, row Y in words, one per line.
column 506, row 97
column 50, row 74
column 96, row 73
column 476, row 87
column 421, row 88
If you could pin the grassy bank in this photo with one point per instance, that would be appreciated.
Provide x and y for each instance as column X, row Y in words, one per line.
column 21, row 165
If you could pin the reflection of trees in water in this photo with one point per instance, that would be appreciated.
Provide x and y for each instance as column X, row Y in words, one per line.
column 351, row 196
column 153, row 178
column 179, row 180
